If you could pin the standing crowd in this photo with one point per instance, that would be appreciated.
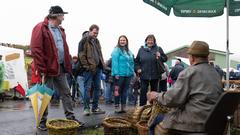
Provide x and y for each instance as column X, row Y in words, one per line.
column 124, row 76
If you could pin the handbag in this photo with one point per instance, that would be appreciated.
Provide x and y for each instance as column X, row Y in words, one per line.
column 160, row 67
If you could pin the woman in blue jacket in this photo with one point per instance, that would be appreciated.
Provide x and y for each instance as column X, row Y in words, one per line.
column 122, row 70
column 146, row 66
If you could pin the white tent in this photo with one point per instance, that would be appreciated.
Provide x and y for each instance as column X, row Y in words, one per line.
column 14, row 66
column 230, row 68
column 185, row 60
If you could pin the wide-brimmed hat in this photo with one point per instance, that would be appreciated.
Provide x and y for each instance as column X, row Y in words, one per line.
column 56, row 10
column 199, row 48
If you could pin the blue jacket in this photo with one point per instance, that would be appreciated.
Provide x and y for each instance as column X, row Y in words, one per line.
column 122, row 63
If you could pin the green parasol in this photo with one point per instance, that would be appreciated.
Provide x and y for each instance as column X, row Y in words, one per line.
column 200, row 8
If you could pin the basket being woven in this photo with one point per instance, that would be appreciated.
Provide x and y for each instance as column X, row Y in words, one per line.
column 156, row 110
column 146, row 114
column 138, row 112
column 62, row 127
column 116, row 126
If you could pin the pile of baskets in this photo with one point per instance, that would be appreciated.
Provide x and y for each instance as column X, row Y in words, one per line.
column 62, row 127
column 136, row 123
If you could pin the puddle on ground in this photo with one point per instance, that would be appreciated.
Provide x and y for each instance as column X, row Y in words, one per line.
column 14, row 105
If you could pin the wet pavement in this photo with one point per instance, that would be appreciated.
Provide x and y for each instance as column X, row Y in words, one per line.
column 17, row 117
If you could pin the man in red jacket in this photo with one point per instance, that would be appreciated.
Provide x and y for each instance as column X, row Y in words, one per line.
column 52, row 59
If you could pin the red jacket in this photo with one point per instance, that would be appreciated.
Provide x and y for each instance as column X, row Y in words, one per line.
column 44, row 50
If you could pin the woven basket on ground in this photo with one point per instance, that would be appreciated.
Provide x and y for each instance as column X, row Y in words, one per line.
column 133, row 129
column 62, row 127
column 116, row 126
column 142, row 128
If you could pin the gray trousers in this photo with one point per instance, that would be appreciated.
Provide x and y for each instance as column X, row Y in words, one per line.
column 61, row 85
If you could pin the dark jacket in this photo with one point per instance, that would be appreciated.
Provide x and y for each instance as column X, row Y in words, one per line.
column 74, row 69
column 86, row 54
column 44, row 50
column 219, row 70
column 109, row 77
column 147, row 62
column 175, row 71
column 232, row 75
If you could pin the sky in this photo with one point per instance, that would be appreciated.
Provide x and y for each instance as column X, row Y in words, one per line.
column 132, row 18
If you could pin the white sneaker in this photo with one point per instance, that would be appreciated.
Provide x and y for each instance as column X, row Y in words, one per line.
column 86, row 112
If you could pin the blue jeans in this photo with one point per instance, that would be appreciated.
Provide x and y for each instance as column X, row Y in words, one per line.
column 80, row 80
column 104, row 86
column 123, row 83
column 108, row 92
column 131, row 96
column 89, row 78
column 56, row 95
column 69, row 80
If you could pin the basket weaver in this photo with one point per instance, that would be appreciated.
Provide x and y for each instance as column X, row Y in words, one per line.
column 62, row 127
column 116, row 126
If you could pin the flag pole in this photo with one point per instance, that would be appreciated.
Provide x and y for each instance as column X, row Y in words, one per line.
column 227, row 45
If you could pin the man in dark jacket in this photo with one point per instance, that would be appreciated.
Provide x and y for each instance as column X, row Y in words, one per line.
column 91, row 59
column 52, row 60
column 176, row 70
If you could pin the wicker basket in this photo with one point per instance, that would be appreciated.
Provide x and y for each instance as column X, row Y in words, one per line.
column 133, row 129
column 116, row 126
column 156, row 110
column 138, row 112
column 146, row 114
column 62, row 127
column 142, row 128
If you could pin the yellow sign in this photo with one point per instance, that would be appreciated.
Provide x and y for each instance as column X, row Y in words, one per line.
column 12, row 56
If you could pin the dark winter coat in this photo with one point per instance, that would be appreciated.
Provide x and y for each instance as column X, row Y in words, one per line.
column 147, row 62
column 175, row 71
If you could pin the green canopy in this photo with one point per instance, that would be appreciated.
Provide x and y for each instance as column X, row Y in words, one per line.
column 234, row 9
column 200, row 8
column 195, row 8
